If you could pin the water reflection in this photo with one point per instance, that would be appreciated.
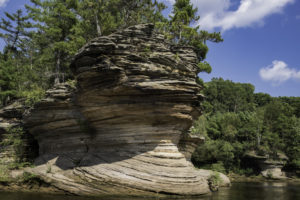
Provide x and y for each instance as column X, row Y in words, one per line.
column 259, row 191
column 238, row 191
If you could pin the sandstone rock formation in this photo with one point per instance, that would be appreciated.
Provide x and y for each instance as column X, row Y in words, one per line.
column 117, row 132
column 269, row 167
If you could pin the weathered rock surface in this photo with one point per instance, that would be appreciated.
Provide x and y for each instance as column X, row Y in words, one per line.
column 117, row 132
column 270, row 167
column 188, row 143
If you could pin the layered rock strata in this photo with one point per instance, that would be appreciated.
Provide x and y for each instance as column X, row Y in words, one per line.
column 270, row 168
column 117, row 132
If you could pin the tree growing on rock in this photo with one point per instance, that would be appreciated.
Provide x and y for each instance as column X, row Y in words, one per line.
column 98, row 17
column 180, row 29
column 101, row 17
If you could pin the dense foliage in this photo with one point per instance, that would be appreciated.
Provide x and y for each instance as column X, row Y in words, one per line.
column 237, row 121
column 42, row 38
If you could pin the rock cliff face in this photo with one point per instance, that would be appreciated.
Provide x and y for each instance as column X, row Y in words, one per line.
column 269, row 167
column 117, row 132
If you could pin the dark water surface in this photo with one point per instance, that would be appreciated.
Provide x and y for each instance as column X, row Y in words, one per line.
column 238, row 191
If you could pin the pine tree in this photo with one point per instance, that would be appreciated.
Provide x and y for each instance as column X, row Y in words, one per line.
column 183, row 16
column 134, row 12
column 13, row 63
column 8, row 79
column 15, row 30
column 57, row 36
column 98, row 17
column 181, row 31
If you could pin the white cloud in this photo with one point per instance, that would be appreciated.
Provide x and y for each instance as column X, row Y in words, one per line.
column 298, row 17
column 170, row 1
column 3, row 3
column 279, row 72
column 208, row 7
column 217, row 13
column 248, row 13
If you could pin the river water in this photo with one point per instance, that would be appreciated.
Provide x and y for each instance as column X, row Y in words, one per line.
column 238, row 191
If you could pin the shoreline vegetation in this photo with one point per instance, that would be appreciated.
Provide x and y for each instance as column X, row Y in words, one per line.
column 26, row 182
column 236, row 178
column 247, row 133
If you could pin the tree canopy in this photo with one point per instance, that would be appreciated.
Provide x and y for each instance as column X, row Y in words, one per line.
column 236, row 121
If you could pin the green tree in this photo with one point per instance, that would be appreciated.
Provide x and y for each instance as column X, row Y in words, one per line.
column 213, row 37
column 98, row 17
column 226, row 96
column 292, row 143
column 104, row 17
column 262, row 99
column 57, row 35
column 8, row 79
column 15, row 30
column 277, row 117
column 134, row 12
column 17, row 73
column 179, row 29
column 235, row 115
column 293, row 102
column 183, row 15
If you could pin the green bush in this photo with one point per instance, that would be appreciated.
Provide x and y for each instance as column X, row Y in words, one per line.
column 4, row 173
column 33, row 96
column 29, row 178
column 19, row 165
column 14, row 137
column 214, row 181
column 247, row 171
column 218, row 167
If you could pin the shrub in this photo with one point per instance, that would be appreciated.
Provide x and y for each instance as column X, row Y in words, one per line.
column 14, row 137
column 33, row 96
column 219, row 167
column 4, row 174
column 214, row 181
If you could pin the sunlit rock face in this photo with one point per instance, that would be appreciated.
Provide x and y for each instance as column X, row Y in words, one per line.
column 117, row 131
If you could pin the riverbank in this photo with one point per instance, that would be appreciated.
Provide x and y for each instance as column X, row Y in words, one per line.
column 29, row 187
column 20, row 181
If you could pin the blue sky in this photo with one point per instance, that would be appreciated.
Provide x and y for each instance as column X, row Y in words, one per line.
column 261, row 41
